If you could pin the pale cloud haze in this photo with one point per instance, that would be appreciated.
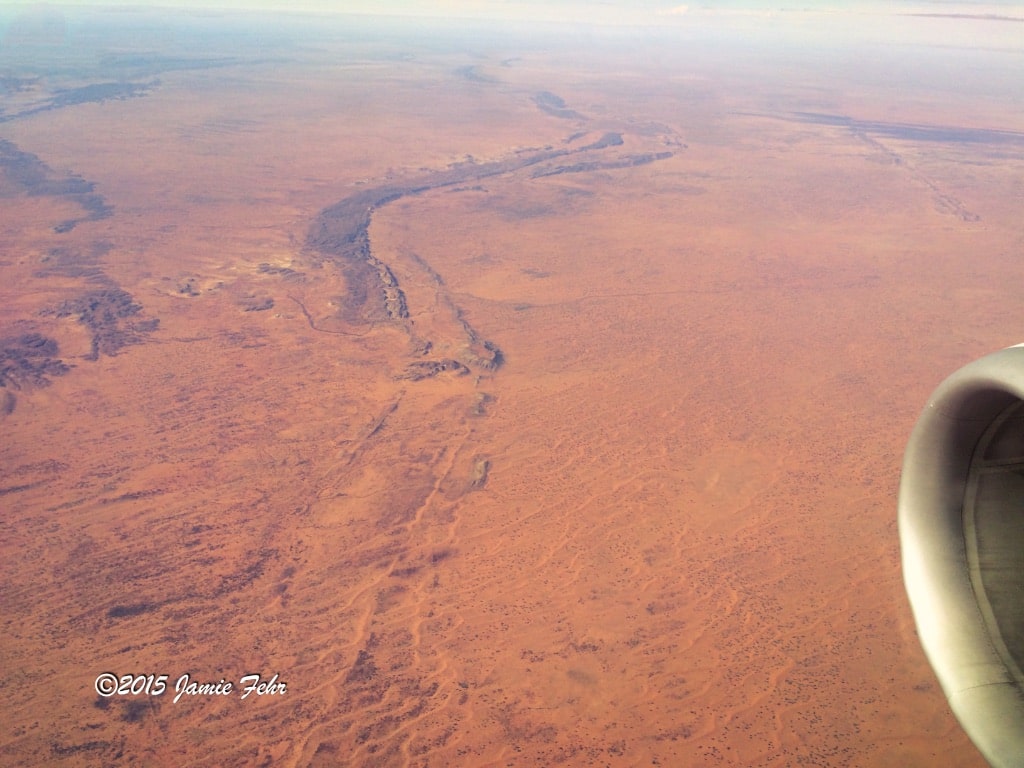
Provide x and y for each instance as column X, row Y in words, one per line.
column 580, row 11
column 984, row 25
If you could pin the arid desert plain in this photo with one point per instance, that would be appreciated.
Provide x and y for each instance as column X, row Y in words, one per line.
column 502, row 395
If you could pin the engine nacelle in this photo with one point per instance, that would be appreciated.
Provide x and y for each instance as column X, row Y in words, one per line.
column 961, row 523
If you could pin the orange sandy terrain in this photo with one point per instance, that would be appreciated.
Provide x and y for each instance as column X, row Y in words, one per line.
column 572, row 437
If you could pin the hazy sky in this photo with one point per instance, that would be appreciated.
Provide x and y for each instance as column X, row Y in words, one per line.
column 996, row 25
column 593, row 11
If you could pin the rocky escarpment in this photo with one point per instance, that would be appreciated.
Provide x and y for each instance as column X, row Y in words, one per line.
column 340, row 235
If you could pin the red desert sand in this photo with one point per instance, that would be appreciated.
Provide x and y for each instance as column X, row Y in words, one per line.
column 540, row 408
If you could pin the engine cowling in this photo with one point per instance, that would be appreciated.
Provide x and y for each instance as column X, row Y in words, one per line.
column 961, row 525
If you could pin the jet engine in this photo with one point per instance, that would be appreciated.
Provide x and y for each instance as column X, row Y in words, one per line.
column 961, row 526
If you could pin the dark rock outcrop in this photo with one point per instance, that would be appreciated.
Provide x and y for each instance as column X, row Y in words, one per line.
column 425, row 369
column 629, row 161
column 27, row 361
column 110, row 314
column 27, row 173
column 553, row 105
